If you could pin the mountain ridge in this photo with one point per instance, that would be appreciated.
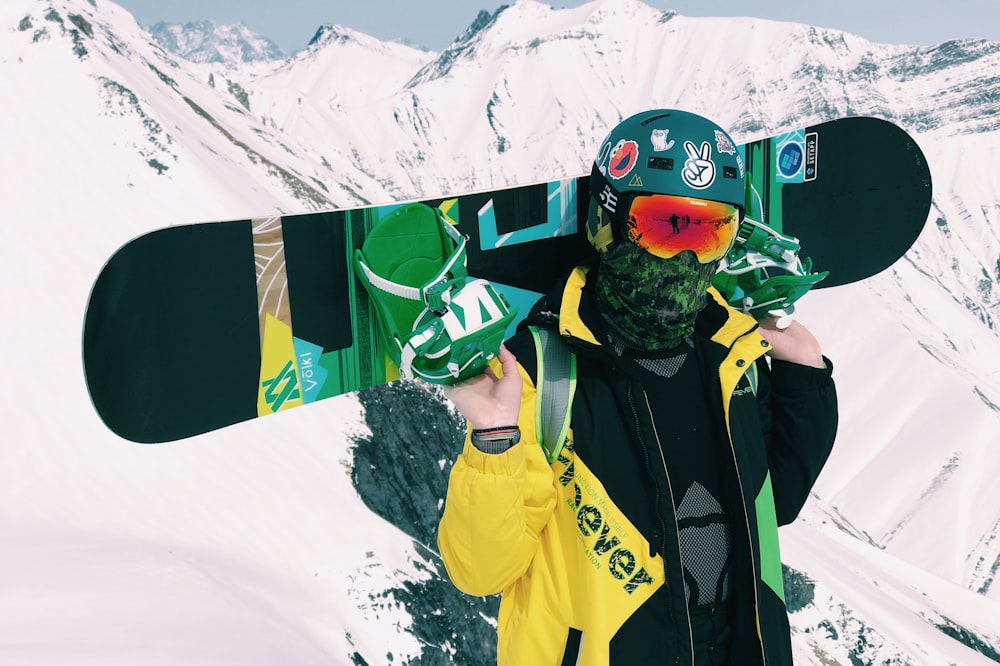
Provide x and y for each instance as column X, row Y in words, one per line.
column 209, row 42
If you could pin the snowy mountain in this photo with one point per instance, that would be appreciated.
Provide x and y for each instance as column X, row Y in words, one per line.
column 206, row 42
column 307, row 537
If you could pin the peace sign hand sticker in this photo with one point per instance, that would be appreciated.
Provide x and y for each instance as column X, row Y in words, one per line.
column 699, row 169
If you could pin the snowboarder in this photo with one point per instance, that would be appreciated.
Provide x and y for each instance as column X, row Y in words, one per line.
column 652, row 537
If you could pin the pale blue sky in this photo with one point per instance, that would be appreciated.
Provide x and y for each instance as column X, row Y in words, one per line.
column 435, row 23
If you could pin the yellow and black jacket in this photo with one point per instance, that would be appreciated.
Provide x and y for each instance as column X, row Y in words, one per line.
column 585, row 550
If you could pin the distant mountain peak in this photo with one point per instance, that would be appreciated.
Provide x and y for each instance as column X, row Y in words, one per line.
column 229, row 44
column 480, row 24
column 328, row 33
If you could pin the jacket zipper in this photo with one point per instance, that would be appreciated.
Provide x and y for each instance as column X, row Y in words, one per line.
column 746, row 522
column 659, row 516
column 673, row 505
column 746, row 516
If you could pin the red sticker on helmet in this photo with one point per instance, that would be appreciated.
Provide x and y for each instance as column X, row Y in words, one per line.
column 623, row 159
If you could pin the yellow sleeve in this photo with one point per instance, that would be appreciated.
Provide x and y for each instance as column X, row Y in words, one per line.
column 496, row 508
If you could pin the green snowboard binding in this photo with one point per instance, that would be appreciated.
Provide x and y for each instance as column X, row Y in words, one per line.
column 763, row 274
column 435, row 323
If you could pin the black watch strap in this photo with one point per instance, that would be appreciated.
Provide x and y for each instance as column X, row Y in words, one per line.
column 496, row 440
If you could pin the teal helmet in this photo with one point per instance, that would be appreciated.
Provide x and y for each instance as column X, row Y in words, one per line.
column 661, row 151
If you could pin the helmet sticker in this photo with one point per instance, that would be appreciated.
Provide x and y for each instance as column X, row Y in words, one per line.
column 659, row 140
column 623, row 159
column 723, row 144
column 699, row 169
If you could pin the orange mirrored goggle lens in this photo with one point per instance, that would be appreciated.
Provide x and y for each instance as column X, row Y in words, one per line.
column 665, row 225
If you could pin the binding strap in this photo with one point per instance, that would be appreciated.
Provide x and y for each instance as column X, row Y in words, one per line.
column 437, row 290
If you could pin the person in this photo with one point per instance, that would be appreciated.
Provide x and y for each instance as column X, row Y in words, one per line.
column 696, row 430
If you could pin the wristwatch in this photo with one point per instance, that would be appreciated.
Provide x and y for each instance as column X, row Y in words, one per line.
column 496, row 440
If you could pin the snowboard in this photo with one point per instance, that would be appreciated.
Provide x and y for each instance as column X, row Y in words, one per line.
column 194, row 328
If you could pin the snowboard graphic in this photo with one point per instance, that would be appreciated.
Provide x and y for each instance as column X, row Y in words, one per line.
column 194, row 328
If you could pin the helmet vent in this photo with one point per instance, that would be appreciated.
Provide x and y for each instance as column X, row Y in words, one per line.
column 654, row 119
column 663, row 163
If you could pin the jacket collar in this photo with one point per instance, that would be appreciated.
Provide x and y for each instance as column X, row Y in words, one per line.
column 570, row 306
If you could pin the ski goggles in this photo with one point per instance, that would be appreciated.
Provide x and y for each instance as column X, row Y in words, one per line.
column 665, row 225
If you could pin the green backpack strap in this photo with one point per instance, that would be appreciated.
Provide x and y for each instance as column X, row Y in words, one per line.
column 555, row 385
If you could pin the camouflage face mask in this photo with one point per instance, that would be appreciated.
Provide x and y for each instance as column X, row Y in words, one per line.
column 649, row 301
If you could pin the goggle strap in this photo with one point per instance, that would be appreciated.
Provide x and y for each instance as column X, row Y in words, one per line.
column 609, row 198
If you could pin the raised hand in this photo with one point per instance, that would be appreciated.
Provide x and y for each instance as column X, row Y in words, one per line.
column 490, row 400
column 793, row 343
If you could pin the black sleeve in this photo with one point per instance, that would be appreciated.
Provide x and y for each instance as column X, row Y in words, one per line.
column 522, row 346
column 799, row 416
